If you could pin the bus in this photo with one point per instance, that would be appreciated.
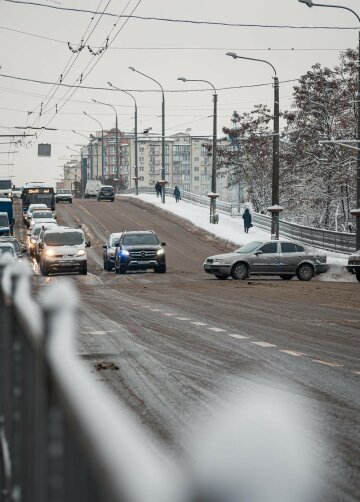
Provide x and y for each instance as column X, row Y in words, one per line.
column 37, row 193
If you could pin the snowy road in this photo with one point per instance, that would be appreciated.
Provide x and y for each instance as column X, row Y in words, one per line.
column 173, row 343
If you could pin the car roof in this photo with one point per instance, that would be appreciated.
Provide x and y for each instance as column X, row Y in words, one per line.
column 34, row 206
column 106, row 186
column 139, row 232
column 114, row 235
column 64, row 230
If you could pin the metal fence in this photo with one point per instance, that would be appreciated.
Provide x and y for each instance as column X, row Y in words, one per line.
column 62, row 438
column 340, row 242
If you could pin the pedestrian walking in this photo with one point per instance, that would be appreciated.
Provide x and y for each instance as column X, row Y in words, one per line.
column 177, row 194
column 157, row 189
column 247, row 220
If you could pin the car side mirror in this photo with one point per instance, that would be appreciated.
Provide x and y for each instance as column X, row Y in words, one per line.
column 55, row 217
column 28, row 234
column 163, row 243
column 104, row 246
column 258, row 252
column 40, row 245
column 87, row 244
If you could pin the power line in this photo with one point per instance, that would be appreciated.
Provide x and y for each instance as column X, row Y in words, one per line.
column 186, row 21
column 108, row 89
column 148, row 48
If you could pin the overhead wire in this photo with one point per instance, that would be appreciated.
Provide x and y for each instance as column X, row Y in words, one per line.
column 186, row 21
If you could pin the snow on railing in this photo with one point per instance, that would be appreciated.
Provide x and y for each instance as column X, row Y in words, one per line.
column 340, row 242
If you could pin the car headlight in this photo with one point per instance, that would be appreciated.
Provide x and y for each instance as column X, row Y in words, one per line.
column 33, row 241
column 111, row 252
column 218, row 261
column 32, row 222
column 124, row 252
column 81, row 252
column 160, row 252
column 49, row 252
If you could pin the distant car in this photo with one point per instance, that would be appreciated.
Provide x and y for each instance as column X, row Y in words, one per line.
column 62, row 249
column 17, row 193
column 41, row 216
column 140, row 250
column 7, row 249
column 19, row 249
column 92, row 188
column 4, row 224
column 106, row 192
column 353, row 265
column 28, row 214
column 282, row 258
column 110, row 249
column 63, row 195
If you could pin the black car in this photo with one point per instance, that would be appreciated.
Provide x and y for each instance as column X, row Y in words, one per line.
column 140, row 250
column 106, row 192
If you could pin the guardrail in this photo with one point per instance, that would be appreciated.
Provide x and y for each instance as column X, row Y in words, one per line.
column 340, row 242
column 62, row 438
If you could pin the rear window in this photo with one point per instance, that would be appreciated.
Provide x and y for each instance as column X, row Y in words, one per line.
column 140, row 240
column 64, row 238
column 42, row 214
column 290, row 247
column 107, row 189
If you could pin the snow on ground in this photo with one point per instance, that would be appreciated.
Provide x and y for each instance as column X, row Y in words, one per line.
column 232, row 229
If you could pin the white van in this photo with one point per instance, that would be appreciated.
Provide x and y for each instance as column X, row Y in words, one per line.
column 62, row 249
column 92, row 188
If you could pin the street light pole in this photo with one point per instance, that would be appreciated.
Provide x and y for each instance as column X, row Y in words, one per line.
column 213, row 215
column 275, row 209
column 162, row 130
column 135, row 139
column 116, row 139
column 91, row 152
column 356, row 211
column 102, row 140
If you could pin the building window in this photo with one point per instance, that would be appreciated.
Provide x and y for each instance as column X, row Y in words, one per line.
column 141, row 178
column 141, row 168
column 196, row 178
column 196, row 168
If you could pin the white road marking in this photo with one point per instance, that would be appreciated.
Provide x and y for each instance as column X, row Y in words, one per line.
column 183, row 318
column 293, row 353
column 327, row 363
column 198, row 323
column 356, row 372
column 239, row 337
column 168, row 314
column 97, row 333
column 265, row 345
column 217, row 330
column 155, row 310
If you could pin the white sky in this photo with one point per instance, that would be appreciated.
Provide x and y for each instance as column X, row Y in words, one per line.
column 36, row 58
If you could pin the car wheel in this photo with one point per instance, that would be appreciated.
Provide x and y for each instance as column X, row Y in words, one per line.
column 358, row 276
column 221, row 277
column 106, row 267
column 44, row 269
column 286, row 277
column 83, row 271
column 161, row 269
column 240, row 271
column 305, row 272
column 70, row 201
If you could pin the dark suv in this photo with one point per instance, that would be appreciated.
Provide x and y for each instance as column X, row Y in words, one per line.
column 106, row 192
column 140, row 250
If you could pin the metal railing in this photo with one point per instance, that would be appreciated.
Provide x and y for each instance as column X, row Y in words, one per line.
column 340, row 242
column 62, row 438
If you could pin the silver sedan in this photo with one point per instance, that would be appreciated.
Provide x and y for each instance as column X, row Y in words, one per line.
column 282, row 258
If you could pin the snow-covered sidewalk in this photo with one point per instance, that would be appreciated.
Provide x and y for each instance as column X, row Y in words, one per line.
column 232, row 229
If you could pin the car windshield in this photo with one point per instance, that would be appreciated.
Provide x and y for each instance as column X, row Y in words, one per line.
column 5, row 184
column 64, row 238
column 248, row 248
column 63, row 191
column 115, row 242
column 6, row 249
column 140, row 240
column 36, row 232
column 42, row 214
column 4, row 220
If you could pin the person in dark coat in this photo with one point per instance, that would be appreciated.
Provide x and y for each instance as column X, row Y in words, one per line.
column 247, row 220
column 177, row 194
column 157, row 189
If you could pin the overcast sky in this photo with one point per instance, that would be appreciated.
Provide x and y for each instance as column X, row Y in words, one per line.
column 160, row 49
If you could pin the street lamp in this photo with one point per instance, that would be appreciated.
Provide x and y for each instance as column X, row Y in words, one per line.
column 102, row 140
column 275, row 209
column 213, row 216
column 91, row 155
column 136, row 178
column 355, row 212
column 162, row 130
column 116, row 138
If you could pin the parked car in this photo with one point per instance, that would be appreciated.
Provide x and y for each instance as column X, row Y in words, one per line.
column 140, row 250
column 110, row 250
column 19, row 249
column 6, row 206
column 41, row 216
column 62, row 249
column 63, row 195
column 33, row 236
column 282, row 258
column 353, row 265
column 6, row 248
column 106, row 192
column 28, row 214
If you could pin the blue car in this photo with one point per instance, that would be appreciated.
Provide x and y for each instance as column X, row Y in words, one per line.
column 110, row 250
